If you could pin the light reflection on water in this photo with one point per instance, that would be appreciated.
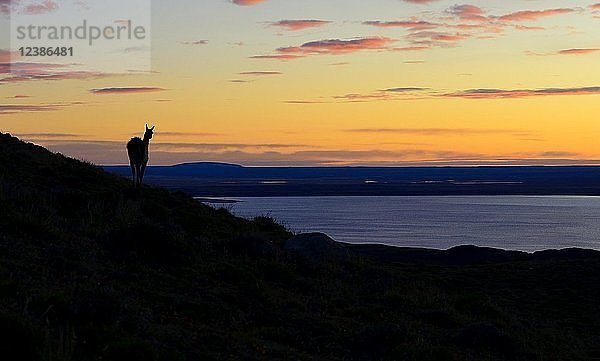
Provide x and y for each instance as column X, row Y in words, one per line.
column 509, row 222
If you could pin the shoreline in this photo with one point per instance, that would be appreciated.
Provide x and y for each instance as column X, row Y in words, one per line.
column 217, row 200
column 319, row 246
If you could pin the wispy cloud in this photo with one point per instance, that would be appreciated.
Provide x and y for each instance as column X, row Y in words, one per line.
column 303, row 102
column 437, row 37
column 126, row 90
column 18, row 72
column 462, row 22
column 111, row 152
column 438, row 131
column 187, row 134
column 195, row 42
column 468, row 12
column 247, row 2
column 419, row 1
column 283, row 57
column 22, row 108
column 44, row 7
column 527, row 15
column 337, row 46
column 521, row 93
column 407, row 24
column 397, row 93
column 19, row 96
column 47, row 135
column 420, row 93
column 62, row 75
column 411, row 48
column 6, row 6
column 355, row 97
column 580, row 51
column 260, row 73
column 403, row 90
column 295, row 25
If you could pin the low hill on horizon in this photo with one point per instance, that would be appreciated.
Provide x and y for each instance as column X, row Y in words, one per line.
column 92, row 269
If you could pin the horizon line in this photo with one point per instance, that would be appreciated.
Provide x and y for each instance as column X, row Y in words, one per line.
column 433, row 164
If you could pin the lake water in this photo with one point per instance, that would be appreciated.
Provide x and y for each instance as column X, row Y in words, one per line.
column 509, row 222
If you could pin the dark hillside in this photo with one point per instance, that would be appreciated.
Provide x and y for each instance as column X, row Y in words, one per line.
column 91, row 269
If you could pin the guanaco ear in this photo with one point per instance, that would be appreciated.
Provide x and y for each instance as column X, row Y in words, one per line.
column 146, row 126
column 154, row 126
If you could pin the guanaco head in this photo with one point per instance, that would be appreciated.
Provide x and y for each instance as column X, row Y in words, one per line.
column 149, row 132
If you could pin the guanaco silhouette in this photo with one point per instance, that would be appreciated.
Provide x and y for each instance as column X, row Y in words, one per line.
column 137, row 149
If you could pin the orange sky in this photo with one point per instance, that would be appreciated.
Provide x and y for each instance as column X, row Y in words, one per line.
column 282, row 82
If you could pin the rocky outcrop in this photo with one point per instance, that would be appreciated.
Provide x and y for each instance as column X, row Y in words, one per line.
column 317, row 247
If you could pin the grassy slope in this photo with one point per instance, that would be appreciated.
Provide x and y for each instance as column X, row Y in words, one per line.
column 92, row 270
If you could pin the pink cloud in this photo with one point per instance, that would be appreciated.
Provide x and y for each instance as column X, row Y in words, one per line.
column 527, row 15
column 337, row 46
column 6, row 6
column 468, row 12
column 473, row 22
column 247, row 2
column 435, row 36
column 300, row 24
column 46, row 6
column 7, row 56
column 23, row 68
column 23, row 72
column 578, row 51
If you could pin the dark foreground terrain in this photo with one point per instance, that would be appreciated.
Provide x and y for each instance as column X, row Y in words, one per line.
column 93, row 270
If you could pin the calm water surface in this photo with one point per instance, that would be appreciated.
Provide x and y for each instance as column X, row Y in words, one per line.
column 510, row 222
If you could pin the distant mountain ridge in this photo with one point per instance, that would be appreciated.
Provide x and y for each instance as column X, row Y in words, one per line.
column 222, row 179
column 497, row 173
